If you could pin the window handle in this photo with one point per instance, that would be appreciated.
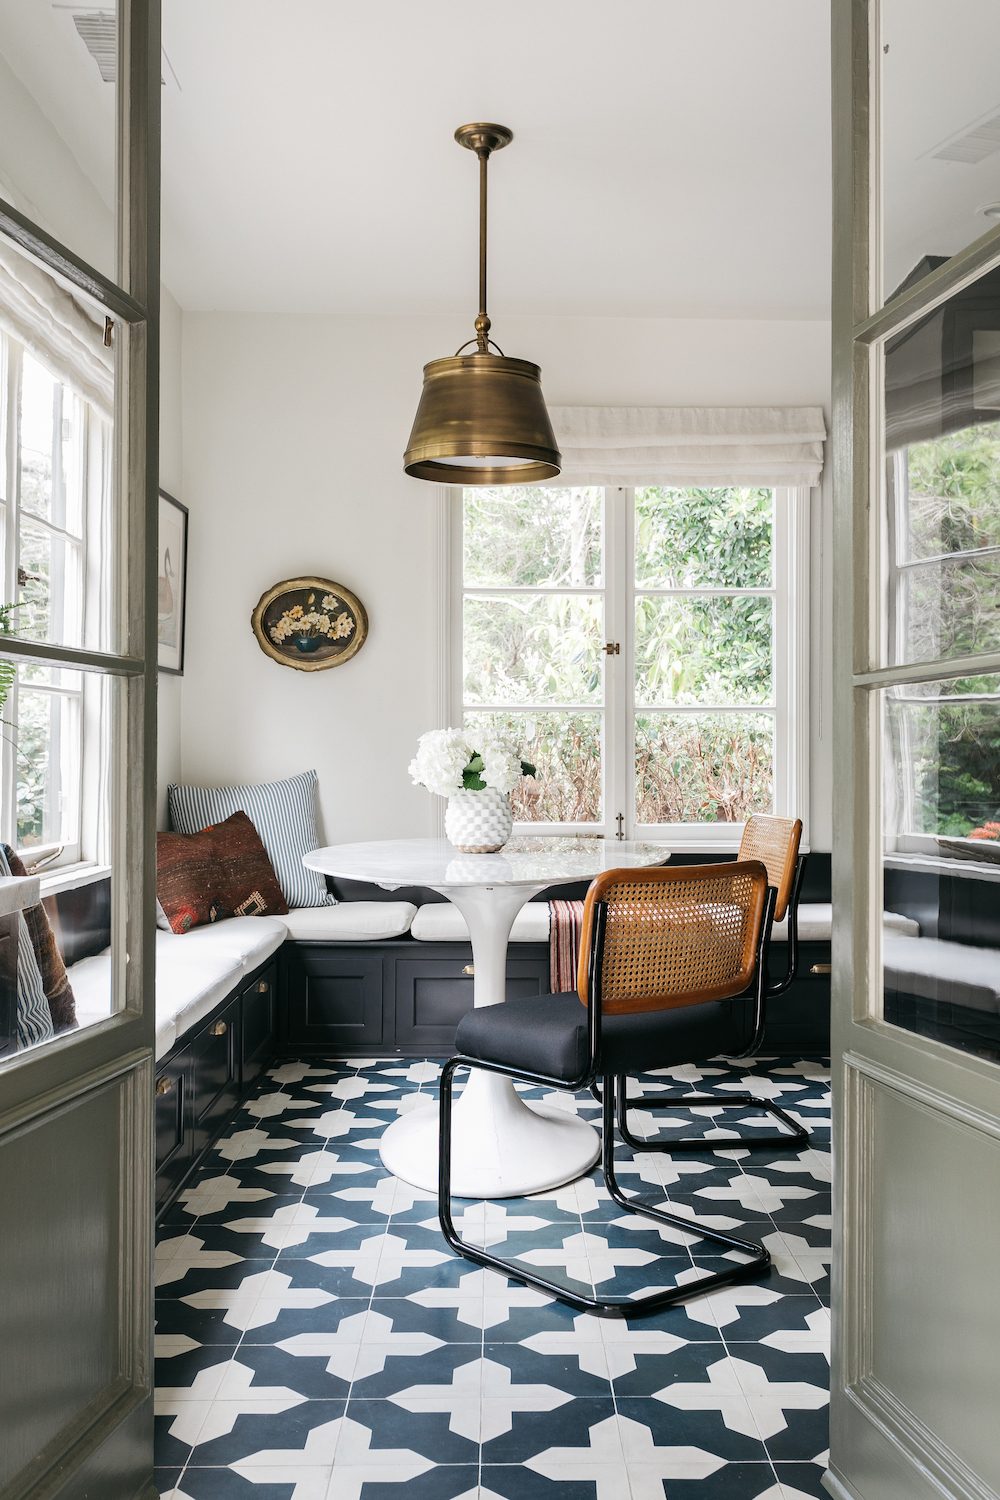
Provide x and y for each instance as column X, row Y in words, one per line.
column 612, row 649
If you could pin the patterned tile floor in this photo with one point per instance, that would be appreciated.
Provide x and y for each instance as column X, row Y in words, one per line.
column 316, row 1340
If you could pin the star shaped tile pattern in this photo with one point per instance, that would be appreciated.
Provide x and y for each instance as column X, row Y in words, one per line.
column 317, row 1340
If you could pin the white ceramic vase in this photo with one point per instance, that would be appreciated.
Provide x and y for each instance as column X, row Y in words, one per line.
column 479, row 822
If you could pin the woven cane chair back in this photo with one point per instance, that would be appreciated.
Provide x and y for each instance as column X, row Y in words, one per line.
column 675, row 937
column 775, row 842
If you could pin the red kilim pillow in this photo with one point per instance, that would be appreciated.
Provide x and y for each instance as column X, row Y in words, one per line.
column 223, row 871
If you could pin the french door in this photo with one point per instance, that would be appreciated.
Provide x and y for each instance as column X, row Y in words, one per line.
column 76, row 1104
column 916, row 1025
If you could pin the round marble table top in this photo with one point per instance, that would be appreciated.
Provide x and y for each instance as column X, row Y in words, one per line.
column 390, row 863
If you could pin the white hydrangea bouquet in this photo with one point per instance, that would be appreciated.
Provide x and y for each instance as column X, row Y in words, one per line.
column 477, row 775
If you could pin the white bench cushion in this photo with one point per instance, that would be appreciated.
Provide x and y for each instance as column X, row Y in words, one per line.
column 938, row 970
column 350, row 921
column 816, row 924
column 442, row 922
column 194, row 971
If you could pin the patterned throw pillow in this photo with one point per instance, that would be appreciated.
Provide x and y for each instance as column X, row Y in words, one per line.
column 283, row 813
column 223, row 871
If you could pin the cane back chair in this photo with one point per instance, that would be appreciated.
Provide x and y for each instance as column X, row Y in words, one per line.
column 775, row 842
column 666, row 958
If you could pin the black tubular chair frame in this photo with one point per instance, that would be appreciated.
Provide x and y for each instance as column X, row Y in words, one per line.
column 759, row 1257
column 794, row 1135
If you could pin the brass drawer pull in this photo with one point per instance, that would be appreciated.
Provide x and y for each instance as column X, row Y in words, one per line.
column 219, row 1029
column 263, row 987
column 470, row 969
column 164, row 1085
column 821, row 969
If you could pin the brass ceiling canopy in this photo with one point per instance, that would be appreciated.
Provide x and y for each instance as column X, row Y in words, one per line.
column 481, row 417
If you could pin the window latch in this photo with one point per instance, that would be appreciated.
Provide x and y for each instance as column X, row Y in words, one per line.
column 612, row 649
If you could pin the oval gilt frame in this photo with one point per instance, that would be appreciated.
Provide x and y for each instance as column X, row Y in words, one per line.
column 292, row 591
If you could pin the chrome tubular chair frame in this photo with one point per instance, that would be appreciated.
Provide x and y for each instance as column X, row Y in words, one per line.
column 794, row 1134
column 758, row 1258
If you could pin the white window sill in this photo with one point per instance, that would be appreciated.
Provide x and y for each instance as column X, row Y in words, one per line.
column 930, row 864
column 70, row 877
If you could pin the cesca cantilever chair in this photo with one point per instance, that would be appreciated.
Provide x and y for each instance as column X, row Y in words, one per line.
column 775, row 842
column 665, row 958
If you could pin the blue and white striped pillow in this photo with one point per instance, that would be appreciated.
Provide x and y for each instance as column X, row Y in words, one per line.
column 34, row 1018
column 283, row 813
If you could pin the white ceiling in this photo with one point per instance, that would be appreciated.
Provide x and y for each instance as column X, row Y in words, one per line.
column 669, row 159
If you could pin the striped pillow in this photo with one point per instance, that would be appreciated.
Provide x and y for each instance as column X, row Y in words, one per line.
column 34, row 1019
column 283, row 813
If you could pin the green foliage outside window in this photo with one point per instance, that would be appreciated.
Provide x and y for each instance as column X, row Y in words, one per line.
column 950, row 753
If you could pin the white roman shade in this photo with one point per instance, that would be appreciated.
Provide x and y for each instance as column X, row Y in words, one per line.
column 60, row 331
column 690, row 445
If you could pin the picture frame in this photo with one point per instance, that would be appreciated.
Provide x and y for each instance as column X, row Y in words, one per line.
column 171, row 575
column 335, row 624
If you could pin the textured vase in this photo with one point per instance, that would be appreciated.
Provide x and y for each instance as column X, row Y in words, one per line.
column 479, row 822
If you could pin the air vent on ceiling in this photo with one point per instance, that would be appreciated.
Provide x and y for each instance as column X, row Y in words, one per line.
column 974, row 143
column 97, row 32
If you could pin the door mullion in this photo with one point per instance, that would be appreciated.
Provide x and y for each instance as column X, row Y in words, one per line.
column 618, row 793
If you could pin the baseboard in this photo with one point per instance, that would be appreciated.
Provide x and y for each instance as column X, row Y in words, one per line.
column 837, row 1487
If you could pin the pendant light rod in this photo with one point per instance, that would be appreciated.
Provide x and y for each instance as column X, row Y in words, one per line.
column 482, row 322
column 483, row 140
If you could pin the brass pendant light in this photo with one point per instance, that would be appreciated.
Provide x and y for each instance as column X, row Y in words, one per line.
column 481, row 417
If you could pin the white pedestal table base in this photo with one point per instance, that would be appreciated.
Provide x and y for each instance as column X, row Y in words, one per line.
column 501, row 1146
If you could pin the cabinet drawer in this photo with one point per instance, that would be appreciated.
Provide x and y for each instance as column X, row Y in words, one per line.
column 334, row 999
column 174, row 1136
column 215, row 1069
column 434, row 993
column 259, row 1029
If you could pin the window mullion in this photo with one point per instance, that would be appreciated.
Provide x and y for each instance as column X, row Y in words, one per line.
column 618, row 674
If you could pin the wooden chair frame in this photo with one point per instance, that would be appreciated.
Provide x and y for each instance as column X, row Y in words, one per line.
column 614, row 1104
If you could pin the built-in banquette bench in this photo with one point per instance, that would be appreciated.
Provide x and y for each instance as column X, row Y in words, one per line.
column 381, row 972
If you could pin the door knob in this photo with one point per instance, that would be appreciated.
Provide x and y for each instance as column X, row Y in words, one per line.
column 164, row 1085
column 219, row 1029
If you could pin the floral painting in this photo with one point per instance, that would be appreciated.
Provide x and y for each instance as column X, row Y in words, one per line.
column 310, row 623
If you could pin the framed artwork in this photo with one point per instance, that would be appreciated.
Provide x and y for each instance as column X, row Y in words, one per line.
column 171, row 583
column 310, row 624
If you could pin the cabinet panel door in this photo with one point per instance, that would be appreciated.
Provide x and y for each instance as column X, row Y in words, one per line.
column 334, row 998
column 259, row 1028
column 174, row 1135
column 799, row 1020
column 215, row 1067
column 434, row 991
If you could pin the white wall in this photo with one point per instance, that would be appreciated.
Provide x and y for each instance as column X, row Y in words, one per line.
column 294, row 429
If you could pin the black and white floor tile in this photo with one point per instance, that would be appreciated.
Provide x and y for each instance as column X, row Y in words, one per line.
column 316, row 1339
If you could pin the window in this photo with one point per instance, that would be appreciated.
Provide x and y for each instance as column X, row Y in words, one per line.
column 55, row 509
column 643, row 646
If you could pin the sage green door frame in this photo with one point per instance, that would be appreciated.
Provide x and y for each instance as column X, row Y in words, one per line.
column 917, row 1123
column 76, row 1114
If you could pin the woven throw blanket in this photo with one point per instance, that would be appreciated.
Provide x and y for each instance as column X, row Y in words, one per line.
column 565, row 927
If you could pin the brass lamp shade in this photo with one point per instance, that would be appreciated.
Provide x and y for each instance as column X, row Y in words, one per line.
column 482, row 420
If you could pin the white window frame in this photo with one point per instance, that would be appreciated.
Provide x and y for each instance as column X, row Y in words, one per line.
column 87, row 851
column 790, row 639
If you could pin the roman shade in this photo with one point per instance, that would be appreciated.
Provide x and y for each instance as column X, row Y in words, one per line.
column 64, row 334
column 690, row 445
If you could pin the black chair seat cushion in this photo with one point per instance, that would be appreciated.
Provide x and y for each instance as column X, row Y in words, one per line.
column 548, row 1034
